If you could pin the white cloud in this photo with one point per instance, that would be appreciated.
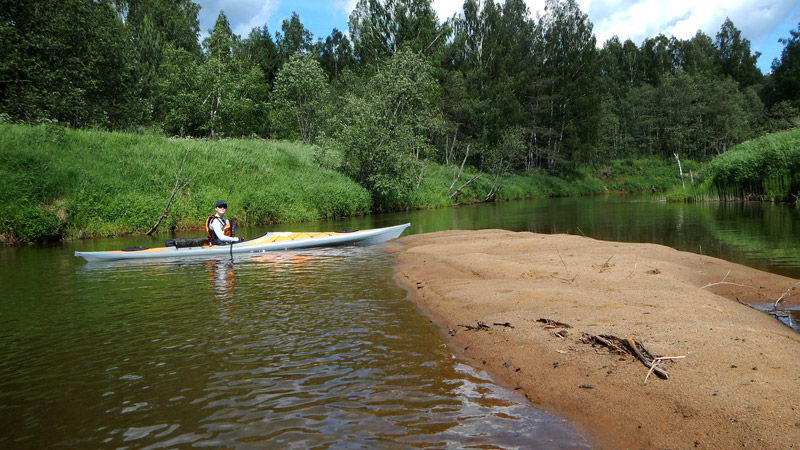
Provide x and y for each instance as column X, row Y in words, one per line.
column 243, row 15
column 345, row 6
column 258, row 12
column 682, row 19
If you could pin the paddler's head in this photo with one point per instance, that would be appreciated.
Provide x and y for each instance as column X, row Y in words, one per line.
column 221, row 207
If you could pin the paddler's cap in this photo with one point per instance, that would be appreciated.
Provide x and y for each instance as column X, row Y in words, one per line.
column 221, row 204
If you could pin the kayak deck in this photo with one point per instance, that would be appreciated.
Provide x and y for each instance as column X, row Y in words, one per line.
column 274, row 241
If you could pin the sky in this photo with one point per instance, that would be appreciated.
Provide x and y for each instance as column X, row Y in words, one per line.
column 762, row 22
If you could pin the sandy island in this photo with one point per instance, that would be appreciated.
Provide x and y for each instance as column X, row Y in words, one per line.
column 737, row 387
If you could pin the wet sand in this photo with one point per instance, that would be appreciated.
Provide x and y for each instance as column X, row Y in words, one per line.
column 737, row 384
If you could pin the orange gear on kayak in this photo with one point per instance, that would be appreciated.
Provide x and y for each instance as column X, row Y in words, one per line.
column 227, row 229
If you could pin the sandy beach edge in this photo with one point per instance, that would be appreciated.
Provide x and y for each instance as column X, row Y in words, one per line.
column 527, row 308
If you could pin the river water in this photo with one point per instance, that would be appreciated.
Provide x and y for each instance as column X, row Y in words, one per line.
column 309, row 349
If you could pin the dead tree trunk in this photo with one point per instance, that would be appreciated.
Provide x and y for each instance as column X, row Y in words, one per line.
column 680, row 169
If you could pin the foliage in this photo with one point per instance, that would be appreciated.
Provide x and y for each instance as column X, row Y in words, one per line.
column 493, row 87
column 764, row 168
column 645, row 174
column 294, row 39
column 300, row 98
column 382, row 132
column 62, row 182
column 380, row 29
column 785, row 78
column 66, row 61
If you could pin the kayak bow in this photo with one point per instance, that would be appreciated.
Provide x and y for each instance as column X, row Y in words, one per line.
column 269, row 242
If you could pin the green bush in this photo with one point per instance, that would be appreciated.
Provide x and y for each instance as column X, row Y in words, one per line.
column 35, row 224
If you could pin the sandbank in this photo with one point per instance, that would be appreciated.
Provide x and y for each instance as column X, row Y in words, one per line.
column 525, row 307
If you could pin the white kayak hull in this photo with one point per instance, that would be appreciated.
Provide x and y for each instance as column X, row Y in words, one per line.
column 270, row 242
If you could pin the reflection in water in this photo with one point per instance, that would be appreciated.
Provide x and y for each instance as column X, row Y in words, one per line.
column 222, row 276
column 310, row 349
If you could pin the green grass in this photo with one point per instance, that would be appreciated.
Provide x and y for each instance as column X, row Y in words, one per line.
column 57, row 182
column 60, row 183
column 434, row 190
column 767, row 168
column 637, row 175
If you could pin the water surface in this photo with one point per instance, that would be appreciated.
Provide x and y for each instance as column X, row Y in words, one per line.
column 312, row 349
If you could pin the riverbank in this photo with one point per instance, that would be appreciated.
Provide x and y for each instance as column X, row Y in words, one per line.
column 526, row 308
column 61, row 183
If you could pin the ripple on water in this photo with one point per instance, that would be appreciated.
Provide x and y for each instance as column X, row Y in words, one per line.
column 293, row 350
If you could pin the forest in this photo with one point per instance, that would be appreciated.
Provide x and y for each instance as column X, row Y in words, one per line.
column 493, row 87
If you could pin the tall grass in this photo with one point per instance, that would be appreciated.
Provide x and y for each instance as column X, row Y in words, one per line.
column 767, row 168
column 644, row 174
column 433, row 189
column 57, row 182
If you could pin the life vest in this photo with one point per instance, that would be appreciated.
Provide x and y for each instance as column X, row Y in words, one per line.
column 227, row 229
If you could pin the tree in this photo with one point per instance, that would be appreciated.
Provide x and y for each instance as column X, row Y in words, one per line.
column 383, row 131
column 381, row 28
column 490, row 67
column 180, row 91
column 218, row 96
column 697, row 56
column 294, row 39
column 336, row 54
column 658, row 57
column 68, row 61
column 567, row 94
column 500, row 159
column 786, row 71
column 154, row 25
column 259, row 50
column 173, row 21
column 300, row 97
column 734, row 57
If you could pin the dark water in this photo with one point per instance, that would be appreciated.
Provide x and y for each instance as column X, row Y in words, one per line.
column 313, row 349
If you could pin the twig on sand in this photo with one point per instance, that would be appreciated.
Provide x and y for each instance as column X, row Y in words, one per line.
column 550, row 323
column 632, row 271
column 567, row 280
column 785, row 294
column 657, row 362
column 562, row 260
column 479, row 327
column 605, row 264
column 724, row 282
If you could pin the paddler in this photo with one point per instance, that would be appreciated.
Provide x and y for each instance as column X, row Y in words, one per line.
column 220, row 230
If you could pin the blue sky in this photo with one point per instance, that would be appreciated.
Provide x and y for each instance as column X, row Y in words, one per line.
column 761, row 22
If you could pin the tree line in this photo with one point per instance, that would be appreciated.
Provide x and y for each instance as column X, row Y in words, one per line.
column 492, row 86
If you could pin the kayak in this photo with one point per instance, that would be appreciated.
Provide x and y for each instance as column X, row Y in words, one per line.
column 270, row 242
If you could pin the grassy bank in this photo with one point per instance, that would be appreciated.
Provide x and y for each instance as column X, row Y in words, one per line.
column 56, row 183
column 61, row 183
column 767, row 168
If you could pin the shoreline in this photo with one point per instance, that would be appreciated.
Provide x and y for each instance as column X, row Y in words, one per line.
column 525, row 307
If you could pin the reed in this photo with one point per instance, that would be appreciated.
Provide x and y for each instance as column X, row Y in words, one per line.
column 767, row 168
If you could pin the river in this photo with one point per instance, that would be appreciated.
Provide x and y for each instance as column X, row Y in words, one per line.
column 309, row 349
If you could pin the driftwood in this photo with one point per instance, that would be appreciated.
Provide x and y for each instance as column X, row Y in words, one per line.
column 479, row 327
column 630, row 346
column 553, row 323
column 783, row 297
column 179, row 184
